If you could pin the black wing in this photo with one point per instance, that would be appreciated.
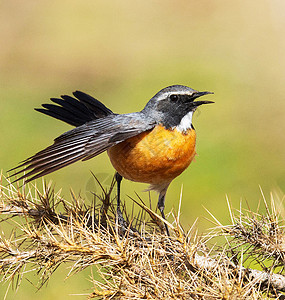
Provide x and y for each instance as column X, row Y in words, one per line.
column 75, row 111
column 82, row 143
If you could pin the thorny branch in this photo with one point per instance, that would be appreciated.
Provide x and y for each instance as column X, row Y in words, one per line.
column 142, row 263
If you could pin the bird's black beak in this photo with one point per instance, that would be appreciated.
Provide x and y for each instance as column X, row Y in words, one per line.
column 199, row 94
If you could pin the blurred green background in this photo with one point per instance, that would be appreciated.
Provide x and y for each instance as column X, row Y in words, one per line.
column 123, row 52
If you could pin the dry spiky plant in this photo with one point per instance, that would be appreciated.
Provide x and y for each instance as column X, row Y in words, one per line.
column 137, row 260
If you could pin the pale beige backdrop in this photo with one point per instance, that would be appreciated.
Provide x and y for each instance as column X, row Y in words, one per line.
column 123, row 52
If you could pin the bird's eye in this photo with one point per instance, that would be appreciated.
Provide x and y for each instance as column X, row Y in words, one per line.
column 173, row 97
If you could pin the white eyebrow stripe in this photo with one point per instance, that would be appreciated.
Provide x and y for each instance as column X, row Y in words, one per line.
column 167, row 94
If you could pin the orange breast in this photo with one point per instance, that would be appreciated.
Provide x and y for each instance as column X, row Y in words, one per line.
column 154, row 156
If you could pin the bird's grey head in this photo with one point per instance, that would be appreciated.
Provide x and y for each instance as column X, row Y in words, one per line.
column 172, row 103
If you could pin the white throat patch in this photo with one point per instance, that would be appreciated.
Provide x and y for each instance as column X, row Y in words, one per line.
column 185, row 122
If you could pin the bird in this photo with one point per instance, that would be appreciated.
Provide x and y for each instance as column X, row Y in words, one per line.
column 153, row 146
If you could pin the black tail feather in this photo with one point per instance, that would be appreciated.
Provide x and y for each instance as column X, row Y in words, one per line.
column 93, row 104
column 75, row 111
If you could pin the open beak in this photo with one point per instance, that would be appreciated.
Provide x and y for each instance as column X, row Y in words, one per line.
column 199, row 94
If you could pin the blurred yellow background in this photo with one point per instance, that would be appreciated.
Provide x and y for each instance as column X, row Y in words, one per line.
column 123, row 52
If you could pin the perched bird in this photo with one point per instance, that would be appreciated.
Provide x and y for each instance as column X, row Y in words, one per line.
column 153, row 145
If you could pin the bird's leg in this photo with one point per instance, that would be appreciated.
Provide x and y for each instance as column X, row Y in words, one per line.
column 160, row 205
column 118, row 178
column 120, row 219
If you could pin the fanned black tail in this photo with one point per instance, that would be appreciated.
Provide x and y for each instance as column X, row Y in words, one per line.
column 67, row 148
column 75, row 111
